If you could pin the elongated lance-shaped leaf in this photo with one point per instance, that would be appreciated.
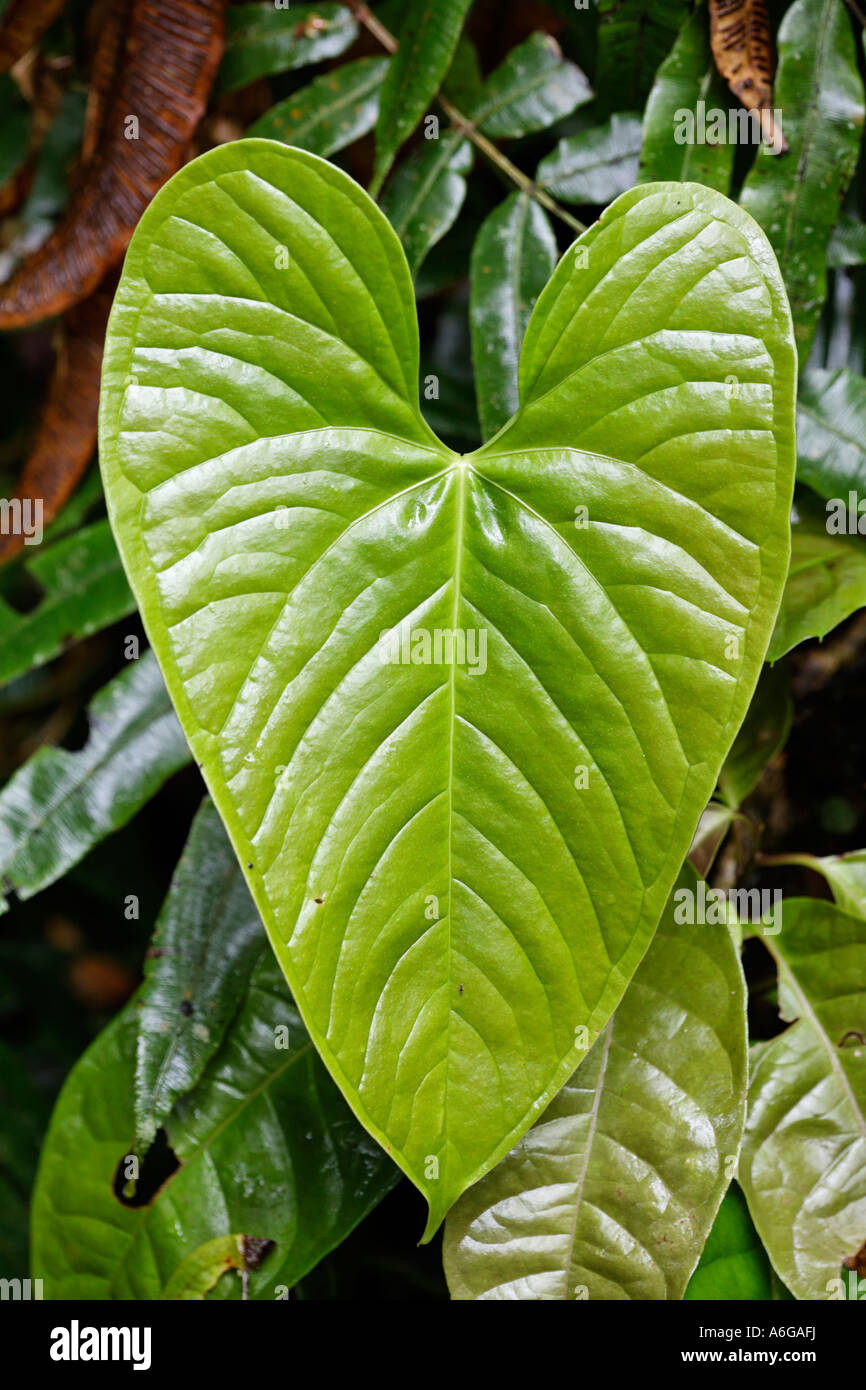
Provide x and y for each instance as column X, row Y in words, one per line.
column 207, row 941
column 803, row 1164
column 428, row 38
column 512, row 258
column 335, row 109
column 831, row 433
column 826, row 584
column 596, row 165
column 426, row 193
column 60, row 804
column 796, row 200
column 687, row 87
column 633, row 38
column 84, row 590
column 459, row 742
column 612, row 1192
column 266, row 1146
column 530, row 90
column 262, row 39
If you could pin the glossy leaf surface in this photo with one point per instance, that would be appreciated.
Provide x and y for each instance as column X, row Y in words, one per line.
column 803, row 1163
column 831, row 432
column 446, row 851
column 533, row 87
column 426, row 193
column 513, row 256
column 207, row 941
column 796, row 200
column 612, row 1192
column 595, row 166
column 60, row 804
column 266, row 1145
column 734, row 1263
column 262, row 39
column 330, row 113
column 826, row 584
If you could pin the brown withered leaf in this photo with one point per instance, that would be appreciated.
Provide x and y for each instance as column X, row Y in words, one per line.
column 66, row 434
column 743, row 53
column 166, row 66
column 23, row 24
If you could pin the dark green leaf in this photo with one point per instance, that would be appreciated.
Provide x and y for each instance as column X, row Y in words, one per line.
column 262, row 39
column 796, row 197
column 831, row 433
column 85, row 590
column 848, row 242
column 734, row 1264
column 512, row 259
column 427, row 41
column 534, row 87
column 425, row 195
column 207, row 941
column 14, row 127
column 596, row 165
column 267, row 1148
column 335, row 109
column 633, row 38
column 612, row 1192
column 60, row 804
column 826, row 584
column 803, row 1162
column 763, row 733
column 686, row 77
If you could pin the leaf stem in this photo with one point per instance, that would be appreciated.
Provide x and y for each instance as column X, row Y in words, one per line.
column 466, row 127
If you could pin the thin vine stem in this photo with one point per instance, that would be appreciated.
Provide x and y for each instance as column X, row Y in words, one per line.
column 466, row 127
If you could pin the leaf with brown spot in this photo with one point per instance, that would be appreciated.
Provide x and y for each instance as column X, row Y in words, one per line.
column 167, row 63
column 23, row 24
column 743, row 53
column 66, row 436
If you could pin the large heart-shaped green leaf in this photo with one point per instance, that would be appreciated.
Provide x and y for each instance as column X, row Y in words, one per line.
column 461, row 856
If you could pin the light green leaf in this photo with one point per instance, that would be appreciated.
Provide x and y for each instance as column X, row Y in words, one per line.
column 796, row 198
column 764, row 732
column 513, row 256
column 534, row 87
column 734, row 1263
column 335, row 109
column 446, row 851
column 803, row 1163
column 207, row 941
column 596, row 165
column 686, row 77
column 831, row 433
column 714, row 824
column 612, row 1192
column 60, row 804
column 425, row 195
column 84, row 590
column 199, row 1272
column 261, row 39
column 826, row 584
column 845, row 874
column 265, row 1143
column 428, row 38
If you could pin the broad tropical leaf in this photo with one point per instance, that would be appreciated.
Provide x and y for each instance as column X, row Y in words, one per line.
column 596, row 165
column 60, row 804
column 612, row 1192
column 734, row 1263
column 803, row 1164
column 686, row 78
column 460, row 742
column 512, row 259
column 267, row 1148
column 796, row 200
column 428, row 38
column 207, row 941
column 330, row 113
